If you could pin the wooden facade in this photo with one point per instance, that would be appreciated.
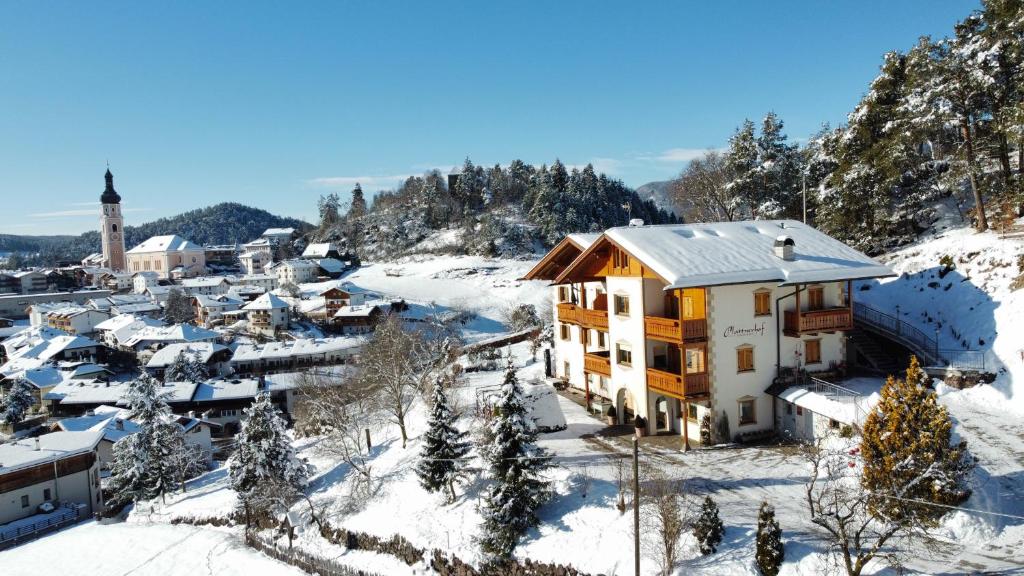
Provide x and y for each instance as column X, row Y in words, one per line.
column 45, row 472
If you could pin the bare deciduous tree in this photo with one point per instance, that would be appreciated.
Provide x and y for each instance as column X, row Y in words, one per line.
column 666, row 519
column 701, row 189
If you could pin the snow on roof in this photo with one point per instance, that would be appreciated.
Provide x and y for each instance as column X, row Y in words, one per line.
column 42, row 352
column 318, row 250
column 300, row 347
column 850, row 410
column 136, row 308
column 147, row 274
column 331, row 265
column 256, row 277
column 217, row 301
column 693, row 255
column 175, row 333
column 169, row 243
column 236, row 388
column 362, row 311
column 102, row 392
column 267, row 301
column 584, row 240
column 203, row 281
column 292, row 380
column 296, row 263
column 124, row 326
column 278, row 231
column 165, row 356
column 55, row 446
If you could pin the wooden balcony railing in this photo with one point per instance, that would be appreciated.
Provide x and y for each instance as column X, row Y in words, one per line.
column 596, row 364
column 668, row 329
column 586, row 317
column 677, row 385
column 828, row 320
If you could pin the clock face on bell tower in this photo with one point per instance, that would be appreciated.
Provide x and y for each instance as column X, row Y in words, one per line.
column 111, row 225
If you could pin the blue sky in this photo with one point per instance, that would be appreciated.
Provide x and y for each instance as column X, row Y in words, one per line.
column 273, row 103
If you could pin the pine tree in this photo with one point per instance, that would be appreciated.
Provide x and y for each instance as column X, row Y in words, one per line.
column 357, row 209
column 138, row 471
column 178, row 370
column 709, row 529
column 168, row 444
column 516, row 464
column 908, row 453
column 444, row 446
column 264, row 469
column 129, row 471
column 196, row 369
column 17, row 402
column 178, row 308
column 770, row 551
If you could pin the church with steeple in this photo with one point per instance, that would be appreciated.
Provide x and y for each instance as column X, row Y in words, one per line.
column 112, row 227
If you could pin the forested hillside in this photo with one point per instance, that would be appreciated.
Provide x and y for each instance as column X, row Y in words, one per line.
column 945, row 118
column 225, row 223
column 497, row 211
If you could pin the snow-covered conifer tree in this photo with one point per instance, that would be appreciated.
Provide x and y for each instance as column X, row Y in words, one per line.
column 16, row 402
column 708, row 530
column 444, row 446
column 516, row 466
column 264, row 468
column 178, row 370
column 770, row 552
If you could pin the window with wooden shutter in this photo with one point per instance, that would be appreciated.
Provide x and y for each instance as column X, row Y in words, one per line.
column 812, row 352
column 762, row 303
column 815, row 298
column 745, row 359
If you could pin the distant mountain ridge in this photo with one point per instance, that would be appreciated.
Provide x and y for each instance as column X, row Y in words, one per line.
column 224, row 223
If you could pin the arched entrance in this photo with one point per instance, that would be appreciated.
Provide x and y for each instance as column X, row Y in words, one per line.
column 662, row 415
column 625, row 408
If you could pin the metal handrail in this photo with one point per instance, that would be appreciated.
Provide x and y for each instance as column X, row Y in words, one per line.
column 919, row 342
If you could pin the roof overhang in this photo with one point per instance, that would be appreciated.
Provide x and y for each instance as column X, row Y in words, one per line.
column 555, row 261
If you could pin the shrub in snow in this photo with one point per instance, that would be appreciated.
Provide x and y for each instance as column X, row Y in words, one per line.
column 705, row 429
column 708, row 529
column 909, row 453
column 265, row 472
column 516, row 463
column 16, row 403
column 770, row 552
column 444, row 447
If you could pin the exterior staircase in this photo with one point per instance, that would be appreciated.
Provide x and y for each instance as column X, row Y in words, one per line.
column 883, row 359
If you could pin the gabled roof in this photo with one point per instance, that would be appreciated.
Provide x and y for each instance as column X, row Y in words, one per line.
column 278, row 231
column 54, row 446
column 169, row 243
column 204, row 281
column 713, row 254
column 267, row 301
column 216, row 301
column 165, row 356
column 318, row 250
column 559, row 257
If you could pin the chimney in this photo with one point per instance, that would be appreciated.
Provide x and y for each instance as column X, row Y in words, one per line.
column 783, row 247
column 36, row 448
column 119, row 424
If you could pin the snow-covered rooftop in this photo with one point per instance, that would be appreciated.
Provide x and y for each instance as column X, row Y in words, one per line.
column 55, row 446
column 278, row 231
column 233, row 389
column 693, row 255
column 175, row 333
column 584, row 240
column 165, row 356
column 267, row 301
column 203, row 282
column 318, row 250
column 169, row 243
column 300, row 347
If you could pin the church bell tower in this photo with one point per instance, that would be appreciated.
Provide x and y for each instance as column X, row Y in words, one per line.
column 112, row 227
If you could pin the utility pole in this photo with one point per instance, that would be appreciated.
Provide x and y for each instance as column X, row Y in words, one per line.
column 636, row 503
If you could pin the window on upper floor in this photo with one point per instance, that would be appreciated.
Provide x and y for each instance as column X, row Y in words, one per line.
column 815, row 298
column 563, row 331
column 762, row 303
column 745, row 359
column 695, row 361
column 622, row 304
column 602, row 339
column 24, row 501
column 624, row 354
column 564, row 294
column 687, row 306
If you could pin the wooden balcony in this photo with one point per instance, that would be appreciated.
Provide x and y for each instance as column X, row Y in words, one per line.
column 828, row 320
column 668, row 329
column 597, row 364
column 678, row 385
column 586, row 317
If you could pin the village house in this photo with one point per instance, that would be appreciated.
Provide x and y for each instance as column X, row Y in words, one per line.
column 672, row 323
column 75, row 319
column 290, row 355
column 222, row 256
column 116, row 281
column 156, row 337
column 213, row 356
column 255, row 262
column 266, row 281
column 116, row 331
column 208, row 285
column 358, row 319
column 169, row 256
column 31, row 281
column 295, row 271
column 143, row 280
column 321, row 250
column 60, row 470
column 278, row 235
column 209, row 310
column 267, row 314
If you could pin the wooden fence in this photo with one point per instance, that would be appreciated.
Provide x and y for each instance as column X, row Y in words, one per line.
column 301, row 559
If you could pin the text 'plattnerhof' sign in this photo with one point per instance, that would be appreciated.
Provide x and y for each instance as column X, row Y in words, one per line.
column 755, row 330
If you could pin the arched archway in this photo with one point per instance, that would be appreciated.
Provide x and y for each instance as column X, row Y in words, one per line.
column 662, row 415
column 625, row 407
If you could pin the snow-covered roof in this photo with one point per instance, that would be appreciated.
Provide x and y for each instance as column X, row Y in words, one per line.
column 584, row 240
column 257, row 278
column 203, row 282
column 318, row 250
column 845, row 409
column 217, row 301
column 42, row 352
column 175, row 333
column 147, row 274
column 694, row 255
column 114, row 423
column 279, row 231
column 55, row 446
column 296, row 263
column 165, row 356
column 169, row 243
column 124, row 326
column 299, row 347
column 331, row 265
column 267, row 301
column 213, row 390
column 362, row 311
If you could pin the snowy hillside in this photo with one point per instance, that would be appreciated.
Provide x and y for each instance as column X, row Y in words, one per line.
column 975, row 304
